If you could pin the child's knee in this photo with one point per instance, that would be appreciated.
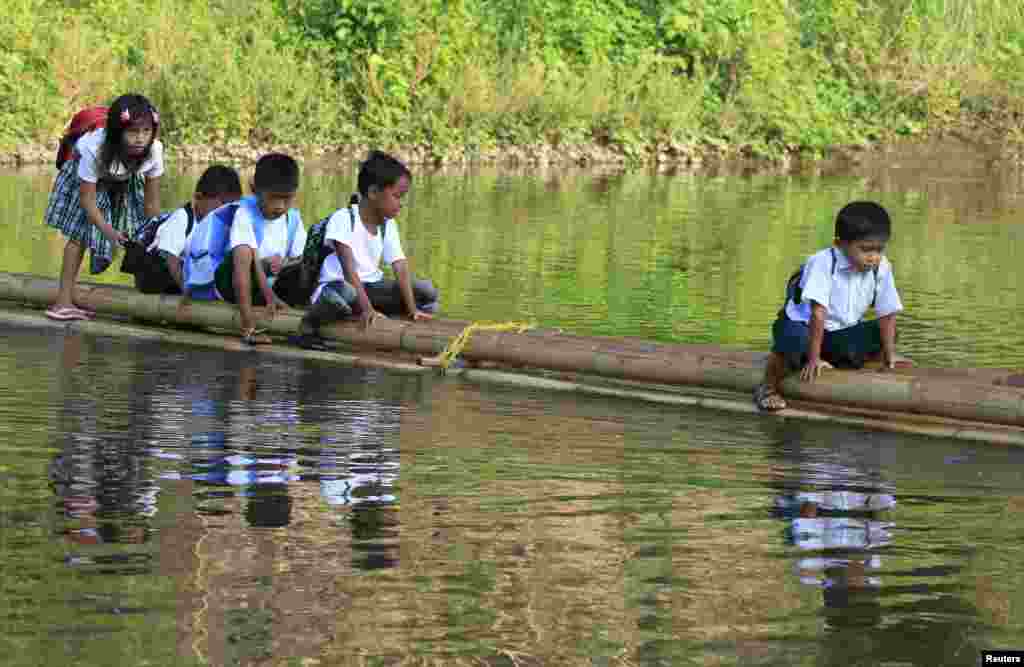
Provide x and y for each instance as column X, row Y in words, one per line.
column 342, row 291
column 425, row 287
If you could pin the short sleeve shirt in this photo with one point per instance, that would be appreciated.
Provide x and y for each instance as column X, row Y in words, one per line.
column 846, row 293
column 367, row 250
column 275, row 233
column 88, row 148
column 170, row 236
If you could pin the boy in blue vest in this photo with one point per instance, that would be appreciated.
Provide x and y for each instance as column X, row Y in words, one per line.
column 265, row 235
column 821, row 325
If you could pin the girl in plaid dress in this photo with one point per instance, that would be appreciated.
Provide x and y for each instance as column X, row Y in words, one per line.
column 109, row 187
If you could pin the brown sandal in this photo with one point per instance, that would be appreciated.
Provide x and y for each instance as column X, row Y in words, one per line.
column 767, row 399
column 255, row 336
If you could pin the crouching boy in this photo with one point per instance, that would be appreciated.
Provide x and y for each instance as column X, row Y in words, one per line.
column 350, row 280
column 154, row 255
column 821, row 325
column 237, row 252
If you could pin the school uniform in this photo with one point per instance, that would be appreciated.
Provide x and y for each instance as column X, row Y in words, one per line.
column 120, row 196
column 275, row 242
column 830, row 279
column 346, row 227
column 150, row 264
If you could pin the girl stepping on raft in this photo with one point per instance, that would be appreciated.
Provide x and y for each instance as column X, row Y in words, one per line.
column 821, row 325
column 104, row 192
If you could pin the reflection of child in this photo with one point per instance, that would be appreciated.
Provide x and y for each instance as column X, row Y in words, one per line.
column 101, row 195
column 821, row 324
column 842, row 540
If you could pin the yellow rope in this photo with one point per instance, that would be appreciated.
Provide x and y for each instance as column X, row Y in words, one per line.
column 458, row 343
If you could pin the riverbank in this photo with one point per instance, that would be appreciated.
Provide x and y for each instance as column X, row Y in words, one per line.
column 688, row 155
column 988, row 143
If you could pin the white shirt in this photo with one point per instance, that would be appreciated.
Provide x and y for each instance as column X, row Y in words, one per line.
column 275, row 234
column 366, row 250
column 170, row 235
column 88, row 148
column 845, row 293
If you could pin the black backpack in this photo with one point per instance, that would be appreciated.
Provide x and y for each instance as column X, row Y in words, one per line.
column 296, row 284
column 135, row 249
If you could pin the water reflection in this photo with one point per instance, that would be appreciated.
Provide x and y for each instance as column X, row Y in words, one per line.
column 101, row 475
column 214, row 510
column 839, row 510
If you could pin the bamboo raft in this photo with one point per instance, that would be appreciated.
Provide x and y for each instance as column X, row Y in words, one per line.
column 970, row 404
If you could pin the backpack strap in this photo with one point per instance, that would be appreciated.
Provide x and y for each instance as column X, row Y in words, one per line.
column 874, row 298
column 382, row 228
column 191, row 218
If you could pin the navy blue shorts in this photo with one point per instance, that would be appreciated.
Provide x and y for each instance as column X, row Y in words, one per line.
column 846, row 348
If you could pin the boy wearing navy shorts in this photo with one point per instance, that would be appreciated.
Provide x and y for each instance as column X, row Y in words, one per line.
column 821, row 325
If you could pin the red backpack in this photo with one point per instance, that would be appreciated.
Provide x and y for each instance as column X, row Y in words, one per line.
column 81, row 123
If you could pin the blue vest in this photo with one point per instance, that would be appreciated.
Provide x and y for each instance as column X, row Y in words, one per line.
column 209, row 243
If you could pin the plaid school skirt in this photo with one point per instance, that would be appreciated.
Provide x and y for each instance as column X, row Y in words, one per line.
column 122, row 205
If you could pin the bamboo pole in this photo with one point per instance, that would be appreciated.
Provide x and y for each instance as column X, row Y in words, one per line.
column 679, row 396
column 925, row 393
column 226, row 343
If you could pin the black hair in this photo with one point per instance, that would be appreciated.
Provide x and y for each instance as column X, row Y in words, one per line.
column 124, row 112
column 380, row 170
column 219, row 180
column 276, row 172
column 862, row 220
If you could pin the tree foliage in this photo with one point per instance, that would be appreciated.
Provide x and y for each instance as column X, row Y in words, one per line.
column 768, row 75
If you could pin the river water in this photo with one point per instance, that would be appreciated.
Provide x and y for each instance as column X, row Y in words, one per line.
column 169, row 505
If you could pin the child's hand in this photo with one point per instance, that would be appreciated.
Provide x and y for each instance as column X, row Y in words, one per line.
column 811, row 371
column 368, row 315
column 419, row 315
column 115, row 237
column 274, row 263
column 271, row 307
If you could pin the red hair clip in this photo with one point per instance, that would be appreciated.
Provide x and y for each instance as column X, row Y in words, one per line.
column 125, row 117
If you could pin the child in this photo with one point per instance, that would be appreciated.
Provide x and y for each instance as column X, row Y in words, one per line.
column 157, row 263
column 109, row 187
column 820, row 325
column 350, row 278
column 265, row 232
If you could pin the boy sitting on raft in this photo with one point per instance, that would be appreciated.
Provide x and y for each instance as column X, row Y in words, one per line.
column 237, row 251
column 357, row 238
column 820, row 325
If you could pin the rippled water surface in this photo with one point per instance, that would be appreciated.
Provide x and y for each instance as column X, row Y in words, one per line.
column 168, row 505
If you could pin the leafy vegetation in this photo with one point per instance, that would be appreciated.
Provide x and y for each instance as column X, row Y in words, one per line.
column 763, row 76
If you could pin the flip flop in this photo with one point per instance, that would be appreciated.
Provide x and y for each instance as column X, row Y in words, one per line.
column 311, row 342
column 65, row 314
column 256, row 337
column 767, row 399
